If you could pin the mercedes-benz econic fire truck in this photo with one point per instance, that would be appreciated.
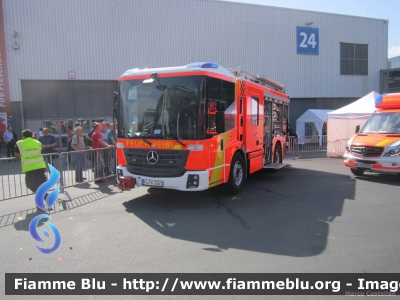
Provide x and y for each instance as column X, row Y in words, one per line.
column 197, row 126
column 376, row 147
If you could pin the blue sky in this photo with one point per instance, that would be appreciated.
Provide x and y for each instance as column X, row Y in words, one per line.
column 380, row 9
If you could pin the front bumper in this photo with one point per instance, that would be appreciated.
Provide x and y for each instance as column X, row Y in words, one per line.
column 174, row 183
column 384, row 164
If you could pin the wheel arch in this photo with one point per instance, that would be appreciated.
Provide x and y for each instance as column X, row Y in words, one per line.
column 242, row 152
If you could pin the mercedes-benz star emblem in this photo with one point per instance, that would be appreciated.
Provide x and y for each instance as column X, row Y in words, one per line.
column 152, row 157
column 364, row 150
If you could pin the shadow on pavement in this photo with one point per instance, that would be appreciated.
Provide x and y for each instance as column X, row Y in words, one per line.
column 287, row 213
column 390, row 179
column 27, row 215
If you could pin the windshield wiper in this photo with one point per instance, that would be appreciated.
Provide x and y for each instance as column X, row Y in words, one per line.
column 182, row 144
column 178, row 140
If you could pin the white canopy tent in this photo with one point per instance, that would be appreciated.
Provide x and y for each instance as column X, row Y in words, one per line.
column 316, row 117
column 341, row 123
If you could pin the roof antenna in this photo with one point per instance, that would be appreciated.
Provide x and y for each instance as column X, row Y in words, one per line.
column 218, row 60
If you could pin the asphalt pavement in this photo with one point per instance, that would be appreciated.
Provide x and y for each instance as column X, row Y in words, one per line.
column 313, row 216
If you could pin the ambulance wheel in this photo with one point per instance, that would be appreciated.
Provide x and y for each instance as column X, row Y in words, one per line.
column 237, row 175
column 357, row 172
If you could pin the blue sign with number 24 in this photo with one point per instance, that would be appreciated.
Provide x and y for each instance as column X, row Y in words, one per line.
column 307, row 40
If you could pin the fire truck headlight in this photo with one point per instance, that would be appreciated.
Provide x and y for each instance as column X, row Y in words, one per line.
column 192, row 181
column 196, row 147
column 392, row 151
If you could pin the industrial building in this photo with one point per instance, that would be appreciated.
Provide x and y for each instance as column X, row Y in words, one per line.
column 394, row 62
column 60, row 60
column 390, row 78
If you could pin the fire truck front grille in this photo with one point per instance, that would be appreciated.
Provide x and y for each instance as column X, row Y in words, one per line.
column 367, row 151
column 156, row 163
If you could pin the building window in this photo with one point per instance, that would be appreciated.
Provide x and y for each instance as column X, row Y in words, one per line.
column 353, row 59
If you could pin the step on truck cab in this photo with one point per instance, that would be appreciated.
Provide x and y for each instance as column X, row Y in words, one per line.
column 197, row 126
column 376, row 147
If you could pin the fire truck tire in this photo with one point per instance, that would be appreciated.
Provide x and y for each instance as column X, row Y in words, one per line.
column 278, row 154
column 277, row 158
column 237, row 175
column 357, row 172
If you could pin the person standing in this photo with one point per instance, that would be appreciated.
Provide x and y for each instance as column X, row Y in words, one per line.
column 32, row 162
column 104, row 131
column 78, row 144
column 112, row 140
column 10, row 139
column 48, row 143
column 98, row 143
column 89, row 139
column 106, row 156
column 15, row 138
column 69, row 132
column 112, row 135
column 40, row 132
column 89, row 135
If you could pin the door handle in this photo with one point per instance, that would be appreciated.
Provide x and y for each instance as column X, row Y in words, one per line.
column 257, row 143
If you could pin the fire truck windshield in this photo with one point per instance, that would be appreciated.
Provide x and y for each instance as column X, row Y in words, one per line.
column 167, row 108
column 387, row 122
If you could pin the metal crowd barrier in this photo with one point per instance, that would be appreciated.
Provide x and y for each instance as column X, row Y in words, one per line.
column 307, row 143
column 95, row 164
column 12, row 180
column 293, row 142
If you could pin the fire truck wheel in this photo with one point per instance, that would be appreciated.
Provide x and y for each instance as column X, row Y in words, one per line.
column 236, row 175
column 357, row 172
column 278, row 154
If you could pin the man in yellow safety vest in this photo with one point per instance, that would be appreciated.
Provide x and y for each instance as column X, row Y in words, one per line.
column 32, row 162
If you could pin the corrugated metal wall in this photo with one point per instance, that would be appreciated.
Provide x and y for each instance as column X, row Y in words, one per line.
column 394, row 62
column 100, row 39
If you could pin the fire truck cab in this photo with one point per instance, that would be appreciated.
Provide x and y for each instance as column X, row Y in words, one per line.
column 197, row 126
column 376, row 147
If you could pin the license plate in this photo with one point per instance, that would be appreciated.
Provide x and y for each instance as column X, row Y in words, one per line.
column 150, row 182
column 364, row 166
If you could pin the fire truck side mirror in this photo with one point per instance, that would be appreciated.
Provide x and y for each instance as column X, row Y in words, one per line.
column 221, row 106
column 357, row 129
column 220, row 121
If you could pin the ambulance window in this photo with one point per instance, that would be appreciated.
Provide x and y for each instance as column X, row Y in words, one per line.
column 254, row 111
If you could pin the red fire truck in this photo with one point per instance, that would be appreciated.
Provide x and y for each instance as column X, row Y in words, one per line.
column 197, row 126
